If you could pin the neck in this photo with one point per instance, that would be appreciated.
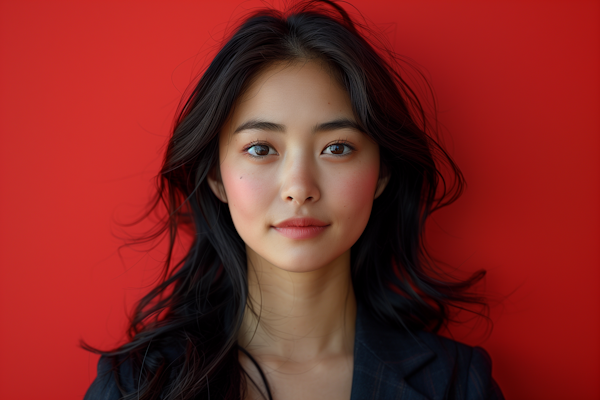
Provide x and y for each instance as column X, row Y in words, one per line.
column 299, row 316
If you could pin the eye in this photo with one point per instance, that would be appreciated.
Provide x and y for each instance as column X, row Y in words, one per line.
column 260, row 150
column 338, row 149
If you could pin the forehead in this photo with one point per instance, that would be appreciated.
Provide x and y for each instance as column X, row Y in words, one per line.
column 298, row 94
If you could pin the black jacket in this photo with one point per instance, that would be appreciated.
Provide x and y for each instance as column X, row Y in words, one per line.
column 388, row 364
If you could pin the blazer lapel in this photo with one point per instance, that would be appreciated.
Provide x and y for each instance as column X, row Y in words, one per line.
column 383, row 358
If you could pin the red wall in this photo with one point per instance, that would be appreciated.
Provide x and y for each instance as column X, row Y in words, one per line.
column 87, row 92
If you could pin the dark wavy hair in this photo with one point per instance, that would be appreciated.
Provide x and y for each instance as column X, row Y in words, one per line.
column 182, row 335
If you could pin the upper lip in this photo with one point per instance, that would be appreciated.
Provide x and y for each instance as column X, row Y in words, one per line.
column 300, row 222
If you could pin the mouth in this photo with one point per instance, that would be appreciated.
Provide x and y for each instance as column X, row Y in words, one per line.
column 301, row 228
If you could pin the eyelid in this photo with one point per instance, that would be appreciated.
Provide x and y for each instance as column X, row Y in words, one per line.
column 258, row 143
column 339, row 141
column 264, row 143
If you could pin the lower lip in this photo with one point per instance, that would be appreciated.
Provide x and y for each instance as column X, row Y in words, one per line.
column 301, row 232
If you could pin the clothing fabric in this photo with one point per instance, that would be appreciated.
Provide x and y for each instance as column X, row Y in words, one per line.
column 400, row 365
column 389, row 364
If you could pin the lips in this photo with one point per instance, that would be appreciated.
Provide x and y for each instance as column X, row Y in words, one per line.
column 300, row 222
column 301, row 228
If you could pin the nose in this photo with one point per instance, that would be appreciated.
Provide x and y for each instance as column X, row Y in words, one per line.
column 299, row 181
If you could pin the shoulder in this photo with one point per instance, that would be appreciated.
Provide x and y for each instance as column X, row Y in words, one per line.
column 421, row 362
column 462, row 371
column 119, row 376
column 450, row 352
column 105, row 386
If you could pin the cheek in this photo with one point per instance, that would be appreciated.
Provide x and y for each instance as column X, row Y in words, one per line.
column 248, row 195
column 355, row 192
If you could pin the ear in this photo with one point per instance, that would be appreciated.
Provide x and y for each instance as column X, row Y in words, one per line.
column 216, row 184
column 384, row 178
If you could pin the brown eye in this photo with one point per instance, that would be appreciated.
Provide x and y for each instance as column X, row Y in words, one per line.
column 336, row 148
column 259, row 150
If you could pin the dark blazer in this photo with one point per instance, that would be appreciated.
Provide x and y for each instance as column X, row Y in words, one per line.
column 397, row 364
column 388, row 364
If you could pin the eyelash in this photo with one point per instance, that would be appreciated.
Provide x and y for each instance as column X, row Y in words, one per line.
column 256, row 143
column 261, row 143
column 342, row 142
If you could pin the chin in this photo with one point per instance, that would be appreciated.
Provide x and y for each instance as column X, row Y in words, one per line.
column 301, row 256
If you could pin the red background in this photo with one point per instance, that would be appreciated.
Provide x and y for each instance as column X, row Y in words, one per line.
column 87, row 93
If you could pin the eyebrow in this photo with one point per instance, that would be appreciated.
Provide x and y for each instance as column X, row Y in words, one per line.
column 255, row 124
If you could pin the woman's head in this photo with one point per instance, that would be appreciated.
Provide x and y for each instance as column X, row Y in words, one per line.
column 341, row 138
column 319, row 37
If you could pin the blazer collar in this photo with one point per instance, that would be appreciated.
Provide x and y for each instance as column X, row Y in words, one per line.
column 384, row 357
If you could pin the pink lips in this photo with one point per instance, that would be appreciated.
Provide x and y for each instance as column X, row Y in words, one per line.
column 301, row 228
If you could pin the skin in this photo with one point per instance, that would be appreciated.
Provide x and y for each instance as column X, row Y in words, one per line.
column 301, row 315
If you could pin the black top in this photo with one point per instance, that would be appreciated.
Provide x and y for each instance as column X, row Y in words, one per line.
column 389, row 363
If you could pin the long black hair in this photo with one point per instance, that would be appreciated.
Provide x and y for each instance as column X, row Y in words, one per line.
column 182, row 336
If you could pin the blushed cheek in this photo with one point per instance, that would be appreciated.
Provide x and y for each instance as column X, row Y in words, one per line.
column 247, row 196
column 356, row 193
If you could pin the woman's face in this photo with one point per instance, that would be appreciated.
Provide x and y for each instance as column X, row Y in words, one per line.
column 298, row 176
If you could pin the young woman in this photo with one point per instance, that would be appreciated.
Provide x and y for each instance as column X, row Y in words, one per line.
column 304, row 168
